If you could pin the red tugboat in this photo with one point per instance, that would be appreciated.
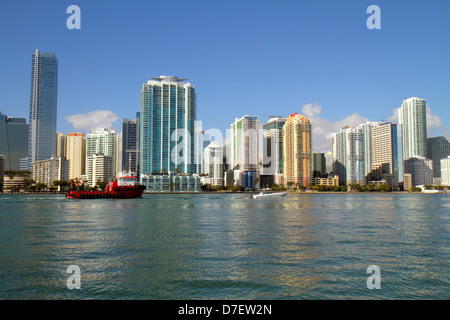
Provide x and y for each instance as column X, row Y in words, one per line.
column 123, row 188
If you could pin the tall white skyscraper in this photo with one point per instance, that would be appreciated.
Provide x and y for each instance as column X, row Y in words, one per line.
column 413, row 121
column 349, row 155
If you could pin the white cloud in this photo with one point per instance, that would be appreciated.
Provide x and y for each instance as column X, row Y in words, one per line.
column 322, row 129
column 93, row 120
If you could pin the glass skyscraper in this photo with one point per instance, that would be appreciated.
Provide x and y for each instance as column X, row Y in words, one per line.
column 413, row 122
column 273, row 145
column 44, row 78
column 130, row 144
column 168, row 114
column 13, row 141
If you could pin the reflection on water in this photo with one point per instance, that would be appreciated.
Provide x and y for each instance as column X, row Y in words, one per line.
column 208, row 246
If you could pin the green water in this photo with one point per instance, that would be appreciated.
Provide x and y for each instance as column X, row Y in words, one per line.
column 207, row 246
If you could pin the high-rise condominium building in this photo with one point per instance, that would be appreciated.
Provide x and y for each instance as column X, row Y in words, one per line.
column 47, row 171
column 273, row 145
column 385, row 153
column 244, row 143
column 202, row 140
column 168, row 112
column 213, row 163
column 413, row 122
column 366, row 129
column 76, row 154
column 14, row 134
column 102, row 142
column 319, row 166
column 438, row 148
column 297, row 150
column 61, row 145
column 130, row 144
column 44, row 77
column 100, row 167
column 420, row 169
column 348, row 155
column 445, row 171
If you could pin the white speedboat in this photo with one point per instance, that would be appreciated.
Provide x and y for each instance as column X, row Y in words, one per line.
column 269, row 195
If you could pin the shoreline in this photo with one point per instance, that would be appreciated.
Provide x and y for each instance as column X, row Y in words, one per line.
column 243, row 192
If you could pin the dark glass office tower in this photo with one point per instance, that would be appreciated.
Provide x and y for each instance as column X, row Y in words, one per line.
column 44, row 78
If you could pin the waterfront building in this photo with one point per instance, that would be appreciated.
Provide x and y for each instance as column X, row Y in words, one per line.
column 102, row 142
column 171, row 182
column 213, row 164
column 413, row 123
column 202, row 140
column 42, row 135
column 329, row 162
column 407, row 181
column 367, row 128
column 244, row 150
column 14, row 181
column 100, row 167
column 385, row 153
column 318, row 164
column 14, row 134
column 273, row 146
column 421, row 170
column 348, row 155
column 445, row 171
column 297, row 151
column 168, row 114
column 330, row 181
column 61, row 145
column 130, row 144
column 47, row 171
column 437, row 148
column 76, row 154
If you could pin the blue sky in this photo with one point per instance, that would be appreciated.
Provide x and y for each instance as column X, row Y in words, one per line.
column 253, row 57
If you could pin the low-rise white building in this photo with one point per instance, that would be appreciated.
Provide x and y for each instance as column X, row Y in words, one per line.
column 445, row 171
column 47, row 171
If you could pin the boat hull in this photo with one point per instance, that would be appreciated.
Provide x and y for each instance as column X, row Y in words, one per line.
column 270, row 195
column 116, row 193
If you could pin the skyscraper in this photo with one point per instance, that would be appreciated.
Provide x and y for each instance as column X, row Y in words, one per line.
column 385, row 153
column 297, row 150
column 61, row 145
column 130, row 144
column 349, row 155
column 100, row 145
column 213, row 163
column 273, row 145
column 437, row 148
column 76, row 154
column 168, row 112
column 14, row 134
column 413, row 122
column 44, row 78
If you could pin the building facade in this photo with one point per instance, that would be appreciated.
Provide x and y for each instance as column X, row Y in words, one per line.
column 102, row 142
column 100, row 167
column 171, row 183
column 348, row 155
column 413, row 123
column 14, row 135
column 76, row 154
column 50, row 170
column 445, row 171
column 213, row 164
column 319, row 165
column 385, row 153
column 437, row 148
column 130, row 144
column 168, row 114
column 43, row 104
column 297, row 151
column 420, row 169
column 273, row 146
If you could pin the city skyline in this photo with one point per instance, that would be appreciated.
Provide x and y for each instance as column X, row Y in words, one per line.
column 365, row 78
